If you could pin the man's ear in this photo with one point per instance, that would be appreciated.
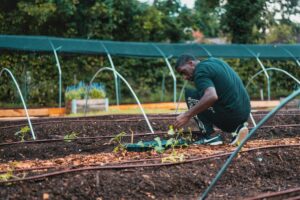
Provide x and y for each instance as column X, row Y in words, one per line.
column 190, row 63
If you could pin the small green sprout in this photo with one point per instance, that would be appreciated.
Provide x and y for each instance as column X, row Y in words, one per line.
column 171, row 130
column 71, row 136
column 118, row 139
column 23, row 132
column 170, row 142
column 176, row 137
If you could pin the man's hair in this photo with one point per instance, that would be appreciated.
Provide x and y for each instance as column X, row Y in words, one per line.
column 184, row 59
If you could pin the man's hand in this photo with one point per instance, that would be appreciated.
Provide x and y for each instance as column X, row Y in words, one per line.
column 208, row 99
column 181, row 120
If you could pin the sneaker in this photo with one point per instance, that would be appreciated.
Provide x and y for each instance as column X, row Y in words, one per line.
column 239, row 135
column 217, row 140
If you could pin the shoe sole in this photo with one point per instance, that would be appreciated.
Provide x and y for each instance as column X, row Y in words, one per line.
column 212, row 143
column 240, row 137
column 215, row 143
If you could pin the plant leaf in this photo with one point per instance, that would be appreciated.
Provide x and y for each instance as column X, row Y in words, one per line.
column 170, row 142
column 25, row 129
column 70, row 137
column 159, row 149
column 171, row 130
column 157, row 139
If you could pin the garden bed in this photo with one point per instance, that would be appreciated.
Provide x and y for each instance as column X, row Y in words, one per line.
column 97, row 172
column 252, row 173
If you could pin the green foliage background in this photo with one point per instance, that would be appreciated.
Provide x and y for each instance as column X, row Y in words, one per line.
column 163, row 21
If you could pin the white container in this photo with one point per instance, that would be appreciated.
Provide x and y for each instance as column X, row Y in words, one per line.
column 94, row 105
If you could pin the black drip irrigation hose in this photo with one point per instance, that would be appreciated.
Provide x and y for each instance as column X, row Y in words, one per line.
column 111, row 167
column 276, row 194
column 229, row 160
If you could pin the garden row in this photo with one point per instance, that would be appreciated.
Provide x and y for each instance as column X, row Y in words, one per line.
column 83, row 165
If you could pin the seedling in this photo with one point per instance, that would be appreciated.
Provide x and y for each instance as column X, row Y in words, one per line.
column 23, row 132
column 177, row 135
column 171, row 130
column 174, row 141
column 118, row 139
column 70, row 137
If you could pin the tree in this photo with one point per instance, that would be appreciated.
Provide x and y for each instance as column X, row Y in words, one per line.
column 282, row 33
column 241, row 17
column 249, row 21
column 207, row 17
column 170, row 9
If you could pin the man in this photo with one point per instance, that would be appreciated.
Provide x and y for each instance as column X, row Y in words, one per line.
column 219, row 99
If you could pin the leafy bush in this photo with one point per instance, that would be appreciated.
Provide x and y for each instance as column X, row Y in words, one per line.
column 96, row 91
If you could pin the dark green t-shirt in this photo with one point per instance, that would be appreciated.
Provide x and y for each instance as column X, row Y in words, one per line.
column 233, row 99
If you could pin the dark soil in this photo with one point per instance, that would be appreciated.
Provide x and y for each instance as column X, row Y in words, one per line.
column 109, row 125
column 97, row 126
column 18, row 152
column 250, row 174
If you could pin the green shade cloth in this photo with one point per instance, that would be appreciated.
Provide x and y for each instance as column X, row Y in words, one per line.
column 147, row 50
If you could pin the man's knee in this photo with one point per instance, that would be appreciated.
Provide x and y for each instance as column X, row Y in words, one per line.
column 191, row 93
column 192, row 97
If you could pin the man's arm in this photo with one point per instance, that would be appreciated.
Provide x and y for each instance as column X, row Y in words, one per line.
column 208, row 99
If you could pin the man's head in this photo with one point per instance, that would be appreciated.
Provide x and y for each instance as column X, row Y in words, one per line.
column 185, row 66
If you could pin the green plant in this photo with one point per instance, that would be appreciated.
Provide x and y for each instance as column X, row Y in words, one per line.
column 174, row 141
column 178, row 135
column 118, row 140
column 171, row 130
column 95, row 91
column 72, row 95
column 159, row 148
column 71, row 136
column 23, row 132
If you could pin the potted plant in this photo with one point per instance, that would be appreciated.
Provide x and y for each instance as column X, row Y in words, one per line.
column 75, row 98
